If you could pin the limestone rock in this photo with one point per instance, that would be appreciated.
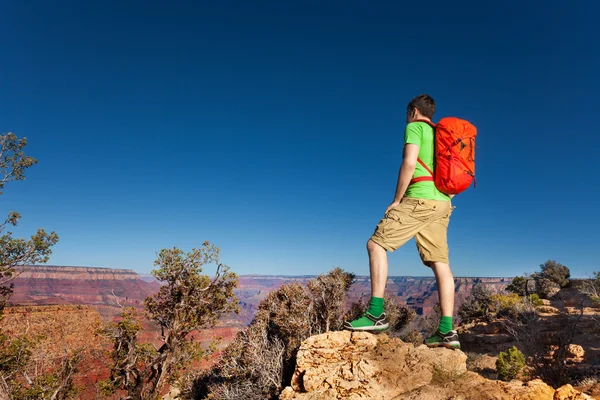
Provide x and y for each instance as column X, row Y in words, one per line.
column 359, row 365
column 547, row 310
column 567, row 392
column 575, row 351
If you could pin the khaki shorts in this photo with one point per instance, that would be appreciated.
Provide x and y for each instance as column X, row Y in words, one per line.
column 425, row 220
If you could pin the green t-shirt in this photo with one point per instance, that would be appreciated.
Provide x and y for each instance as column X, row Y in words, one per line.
column 421, row 134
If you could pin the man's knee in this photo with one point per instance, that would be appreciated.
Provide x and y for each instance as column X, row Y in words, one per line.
column 372, row 246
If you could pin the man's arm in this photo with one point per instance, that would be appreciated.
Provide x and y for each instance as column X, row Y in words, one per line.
column 405, row 175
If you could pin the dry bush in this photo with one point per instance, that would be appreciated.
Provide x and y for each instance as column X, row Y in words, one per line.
column 546, row 356
column 448, row 372
column 591, row 288
column 413, row 336
column 477, row 305
column 328, row 294
column 261, row 359
column 399, row 316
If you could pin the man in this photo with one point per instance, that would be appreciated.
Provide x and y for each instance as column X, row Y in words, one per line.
column 421, row 211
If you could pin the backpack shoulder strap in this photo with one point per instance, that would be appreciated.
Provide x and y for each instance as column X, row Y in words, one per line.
column 424, row 178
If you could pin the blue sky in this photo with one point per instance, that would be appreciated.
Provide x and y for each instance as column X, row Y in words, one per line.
column 274, row 129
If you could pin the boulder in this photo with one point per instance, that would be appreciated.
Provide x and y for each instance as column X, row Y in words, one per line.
column 359, row 365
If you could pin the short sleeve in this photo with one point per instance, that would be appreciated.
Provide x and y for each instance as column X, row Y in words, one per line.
column 413, row 134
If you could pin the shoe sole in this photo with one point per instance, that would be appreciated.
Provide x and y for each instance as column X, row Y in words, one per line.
column 450, row 345
column 368, row 328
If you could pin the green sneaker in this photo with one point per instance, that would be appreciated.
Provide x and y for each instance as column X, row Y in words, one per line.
column 439, row 339
column 368, row 322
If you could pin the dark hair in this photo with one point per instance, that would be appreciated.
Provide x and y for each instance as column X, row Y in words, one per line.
column 424, row 103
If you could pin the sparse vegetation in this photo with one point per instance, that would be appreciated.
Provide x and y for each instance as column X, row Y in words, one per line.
column 510, row 363
column 187, row 301
column 535, row 300
column 591, row 288
column 413, row 336
column 329, row 292
column 477, row 305
column 506, row 305
column 545, row 355
column 23, row 376
column 447, row 372
column 261, row 359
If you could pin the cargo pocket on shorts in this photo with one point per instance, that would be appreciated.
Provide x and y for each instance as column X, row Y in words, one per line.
column 446, row 219
column 423, row 211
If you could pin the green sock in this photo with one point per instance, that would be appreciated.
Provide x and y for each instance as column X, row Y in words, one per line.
column 445, row 324
column 376, row 306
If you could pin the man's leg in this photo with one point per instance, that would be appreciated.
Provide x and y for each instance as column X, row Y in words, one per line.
column 433, row 248
column 394, row 230
column 378, row 265
column 445, row 284
column 374, row 319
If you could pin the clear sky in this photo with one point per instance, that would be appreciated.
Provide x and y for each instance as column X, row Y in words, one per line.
column 274, row 128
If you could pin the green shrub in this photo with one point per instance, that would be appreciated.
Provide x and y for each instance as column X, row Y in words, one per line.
column 535, row 300
column 506, row 305
column 510, row 363
column 518, row 285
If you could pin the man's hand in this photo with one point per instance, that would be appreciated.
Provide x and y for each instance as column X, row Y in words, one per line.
column 407, row 170
column 394, row 204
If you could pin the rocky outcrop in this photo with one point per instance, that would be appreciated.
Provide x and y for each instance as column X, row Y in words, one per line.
column 359, row 365
column 76, row 273
column 575, row 352
column 81, row 285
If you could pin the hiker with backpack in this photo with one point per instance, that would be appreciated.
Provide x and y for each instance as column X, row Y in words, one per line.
column 438, row 163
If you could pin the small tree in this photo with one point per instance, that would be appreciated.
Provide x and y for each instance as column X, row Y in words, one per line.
column 187, row 301
column 518, row 286
column 552, row 277
column 17, row 253
column 510, row 363
column 556, row 272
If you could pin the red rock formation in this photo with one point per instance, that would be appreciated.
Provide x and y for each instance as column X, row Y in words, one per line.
column 104, row 290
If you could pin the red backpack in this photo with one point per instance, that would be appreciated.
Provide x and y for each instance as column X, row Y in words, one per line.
column 454, row 159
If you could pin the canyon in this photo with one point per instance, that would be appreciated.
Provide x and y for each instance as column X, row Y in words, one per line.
column 67, row 304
